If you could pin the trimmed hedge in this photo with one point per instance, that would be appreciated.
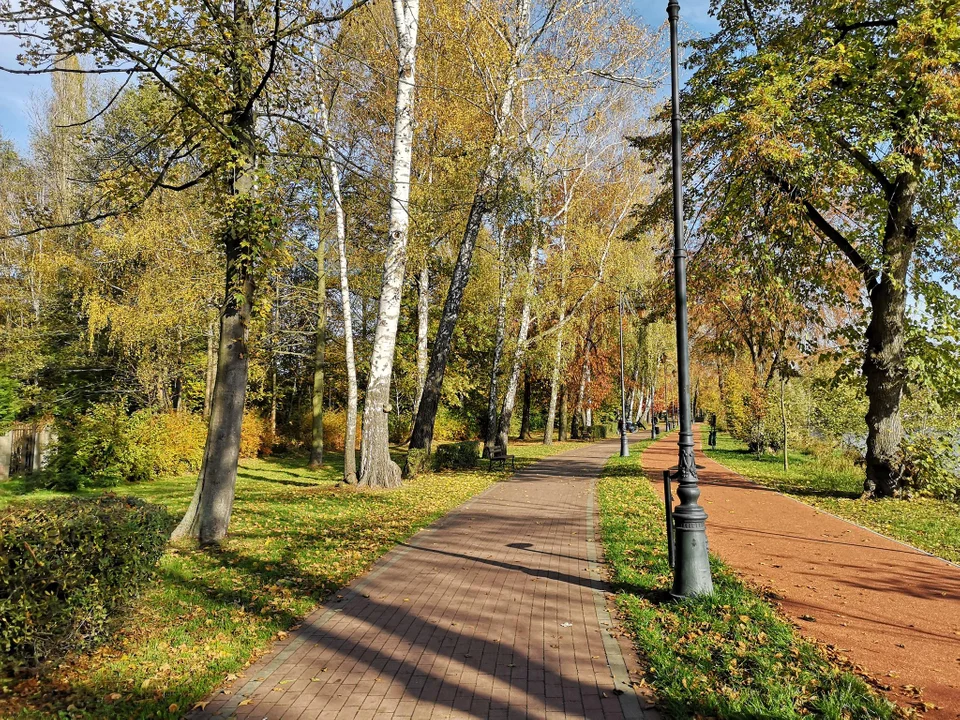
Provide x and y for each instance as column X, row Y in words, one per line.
column 457, row 456
column 598, row 432
column 67, row 566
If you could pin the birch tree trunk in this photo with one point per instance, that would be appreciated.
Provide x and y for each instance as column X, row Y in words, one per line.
column 422, row 435
column 319, row 358
column 510, row 397
column 333, row 179
column 423, row 328
column 493, row 399
column 525, row 414
column 376, row 467
column 562, row 432
column 558, row 349
column 554, row 387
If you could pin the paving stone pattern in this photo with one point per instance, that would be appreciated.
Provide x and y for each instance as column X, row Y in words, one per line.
column 495, row 611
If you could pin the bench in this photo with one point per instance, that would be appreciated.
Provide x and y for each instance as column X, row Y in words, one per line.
column 499, row 455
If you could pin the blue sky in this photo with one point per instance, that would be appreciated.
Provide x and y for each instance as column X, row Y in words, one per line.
column 16, row 90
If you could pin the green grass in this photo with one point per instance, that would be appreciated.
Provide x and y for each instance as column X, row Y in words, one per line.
column 294, row 538
column 830, row 481
column 725, row 656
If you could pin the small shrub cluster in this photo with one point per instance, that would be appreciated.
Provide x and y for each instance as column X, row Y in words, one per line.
column 107, row 446
column 254, row 436
column 69, row 565
column 457, row 456
column 932, row 464
column 597, row 432
column 418, row 461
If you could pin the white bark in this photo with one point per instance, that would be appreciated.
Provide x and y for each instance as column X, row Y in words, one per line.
column 376, row 467
column 558, row 350
column 423, row 328
column 333, row 178
column 510, row 398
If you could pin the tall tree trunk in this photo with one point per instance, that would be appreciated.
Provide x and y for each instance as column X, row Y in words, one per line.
column 273, row 402
column 783, row 418
column 525, row 413
column 579, row 410
column 211, row 374
column 554, row 388
column 510, row 397
column 208, row 516
column 423, row 328
column 493, row 397
column 422, row 435
column 558, row 348
column 376, row 467
column 333, row 180
column 319, row 357
column 884, row 364
column 588, row 412
column 563, row 430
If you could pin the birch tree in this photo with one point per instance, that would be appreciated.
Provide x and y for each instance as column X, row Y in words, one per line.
column 376, row 467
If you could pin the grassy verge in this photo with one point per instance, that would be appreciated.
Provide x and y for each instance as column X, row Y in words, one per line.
column 726, row 656
column 831, row 482
column 295, row 538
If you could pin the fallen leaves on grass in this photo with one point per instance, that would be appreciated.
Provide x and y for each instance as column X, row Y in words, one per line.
column 211, row 611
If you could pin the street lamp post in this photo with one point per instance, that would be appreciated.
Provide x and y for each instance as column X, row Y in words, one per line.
column 624, row 445
column 692, row 572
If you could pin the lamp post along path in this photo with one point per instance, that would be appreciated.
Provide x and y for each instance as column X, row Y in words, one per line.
column 692, row 572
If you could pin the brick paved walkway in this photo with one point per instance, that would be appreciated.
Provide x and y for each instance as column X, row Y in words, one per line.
column 495, row 611
column 891, row 609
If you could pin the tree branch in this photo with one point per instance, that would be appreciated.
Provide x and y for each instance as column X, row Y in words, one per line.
column 825, row 227
column 867, row 163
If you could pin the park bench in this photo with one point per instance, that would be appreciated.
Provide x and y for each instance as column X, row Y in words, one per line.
column 499, row 455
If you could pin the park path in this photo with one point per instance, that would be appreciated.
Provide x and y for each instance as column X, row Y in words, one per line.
column 889, row 608
column 497, row 610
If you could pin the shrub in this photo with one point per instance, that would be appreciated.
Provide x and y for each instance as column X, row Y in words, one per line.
column 69, row 565
column 253, row 433
column 176, row 441
column 399, row 428
column 932, row 464
column 10, row 400
column 100, row 449
column 418, row 460
column 334, row 429
column 457, row 456
column 106, row 446
column 597, row 432
column 449, row 427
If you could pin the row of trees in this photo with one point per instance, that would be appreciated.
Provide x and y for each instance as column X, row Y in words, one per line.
column 426, row 216
column 823, row 142
column 304, row 160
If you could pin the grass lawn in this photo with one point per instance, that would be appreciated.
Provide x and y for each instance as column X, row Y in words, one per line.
column 294, row 539
column 831, row 482
column 727, row 656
